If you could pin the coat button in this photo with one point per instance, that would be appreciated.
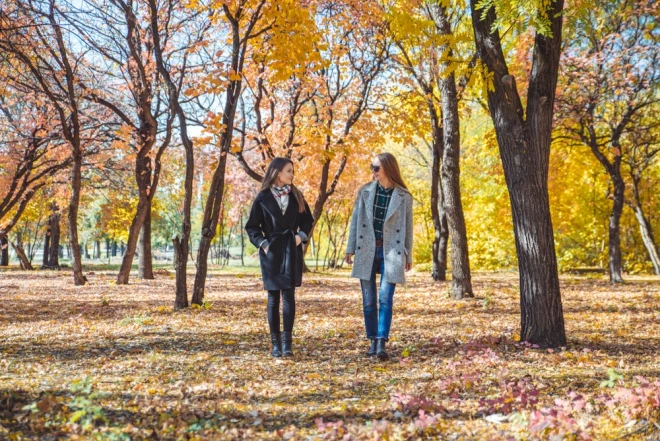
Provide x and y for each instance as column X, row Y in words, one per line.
column 359, row 248
column 360, row 237
column 398, row 231
column 398, row 241
column 363, row 225
column 399, row 253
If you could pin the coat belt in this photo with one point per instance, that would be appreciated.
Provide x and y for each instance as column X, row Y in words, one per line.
column 286, row 234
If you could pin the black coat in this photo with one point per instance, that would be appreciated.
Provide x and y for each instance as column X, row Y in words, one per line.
column 281, row 267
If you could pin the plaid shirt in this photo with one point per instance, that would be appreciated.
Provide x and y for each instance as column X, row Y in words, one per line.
column 383, row 196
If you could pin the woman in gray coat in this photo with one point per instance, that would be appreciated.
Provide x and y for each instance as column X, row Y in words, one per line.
column 380, row 238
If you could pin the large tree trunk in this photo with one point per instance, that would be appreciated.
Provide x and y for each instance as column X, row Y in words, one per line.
column 74, row 203
column 4, row 251
column 460, row 264
column 145, row 264
column 54, row 257
column 615, row 265
column 23, row 259
column 524, row 145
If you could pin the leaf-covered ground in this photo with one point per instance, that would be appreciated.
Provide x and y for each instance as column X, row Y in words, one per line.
column 114, row 362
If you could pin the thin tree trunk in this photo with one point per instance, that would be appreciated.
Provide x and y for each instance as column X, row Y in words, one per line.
column 74, row 202
column 460, row 263
column 645, row 228
column 524, row 142
column 133, row 236
column 54, row 258
column 145, row 262
column 114, row 248
column 4, row 251
column 25, row 262
column 46, row 246
column 615, row 263
column 438, row 214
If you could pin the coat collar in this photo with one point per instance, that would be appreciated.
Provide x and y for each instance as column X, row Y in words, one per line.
column 271, row 205
column 369, row 195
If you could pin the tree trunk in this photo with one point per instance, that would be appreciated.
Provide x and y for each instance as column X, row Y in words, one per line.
column 438, row 213
column 209, row 224
column 142, row 168
column 145, row 263
column 451, row 187
column 4, row 251
column 645, row 228
column 74, row 202
column 25, row 262
column 54, row 257
column 524, row 145
column 107, row 248
column 615, row 264
column 46, row 246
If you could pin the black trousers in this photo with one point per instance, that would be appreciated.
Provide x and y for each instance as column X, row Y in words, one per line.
column 288, row 309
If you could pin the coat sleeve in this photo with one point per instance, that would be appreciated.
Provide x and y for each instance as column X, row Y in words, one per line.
column 305, row 223
column 409, row 228
column 350, row 246
column 253, row 226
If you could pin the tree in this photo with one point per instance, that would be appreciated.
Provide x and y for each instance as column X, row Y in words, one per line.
column 119, row 32
column 607, row 91
column 32, row 34
column 429, row 44
column 524, row 136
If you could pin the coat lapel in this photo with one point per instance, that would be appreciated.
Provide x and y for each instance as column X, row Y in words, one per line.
column 369, row 196
column 397, row 197
column 291, row 210
column 271, row 205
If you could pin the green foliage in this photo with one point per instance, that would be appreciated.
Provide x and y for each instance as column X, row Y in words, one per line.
column 613, row 378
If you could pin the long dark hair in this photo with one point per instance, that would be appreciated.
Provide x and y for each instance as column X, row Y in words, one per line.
column 391, row 168
column 274, row 169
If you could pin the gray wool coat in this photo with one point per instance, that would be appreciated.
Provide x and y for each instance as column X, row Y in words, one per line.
column 397, row 234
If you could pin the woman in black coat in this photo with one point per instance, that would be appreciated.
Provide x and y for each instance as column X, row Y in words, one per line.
column 280, row 222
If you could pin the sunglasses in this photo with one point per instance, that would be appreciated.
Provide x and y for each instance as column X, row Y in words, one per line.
column 374, row 168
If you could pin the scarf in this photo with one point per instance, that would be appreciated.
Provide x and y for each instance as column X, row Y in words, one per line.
column 281, row 191
column 281, row 196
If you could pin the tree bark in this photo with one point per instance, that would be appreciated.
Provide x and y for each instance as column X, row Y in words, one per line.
column 46, row 246
column 460, row 263
column 54, row 257
column 615, row 263
column 645, row 228
column 438, row 213
column 524, row 145
column 145, row 263
column 74, row 202
column 4, row 251
column 23, row 259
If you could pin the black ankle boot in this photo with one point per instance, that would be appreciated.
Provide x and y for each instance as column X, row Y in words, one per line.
column 372, row 348
column 287, row 337
column 380, row 349
column 276, row 339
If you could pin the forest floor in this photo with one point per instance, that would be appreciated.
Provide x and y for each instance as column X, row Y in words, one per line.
column 115, row 362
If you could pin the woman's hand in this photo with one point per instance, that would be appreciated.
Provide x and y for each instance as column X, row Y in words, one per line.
column 266, row 249
column 298, row 240
column 349, row 259
column 408, row 266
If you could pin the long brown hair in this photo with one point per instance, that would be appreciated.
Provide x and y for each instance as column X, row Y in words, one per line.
column 391, row 168
column 274, row 169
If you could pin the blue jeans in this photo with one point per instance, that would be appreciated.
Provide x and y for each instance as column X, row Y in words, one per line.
column 377, row 314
